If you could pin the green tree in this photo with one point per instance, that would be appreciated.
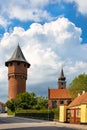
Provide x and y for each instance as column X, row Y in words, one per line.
column 11, row 105
column 78, row 85
column 26, row 100
column 41, row 102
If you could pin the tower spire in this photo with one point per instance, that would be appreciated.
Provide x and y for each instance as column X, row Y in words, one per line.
column 17, row 56
column 62, row 80
column 62, row 77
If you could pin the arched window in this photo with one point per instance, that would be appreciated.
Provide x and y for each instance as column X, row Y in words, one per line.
column 61, row 102
column 54, row 104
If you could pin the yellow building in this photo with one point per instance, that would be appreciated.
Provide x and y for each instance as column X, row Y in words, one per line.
column 76, row 111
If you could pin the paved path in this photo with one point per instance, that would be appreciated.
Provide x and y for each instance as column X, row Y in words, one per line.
column 16, row 123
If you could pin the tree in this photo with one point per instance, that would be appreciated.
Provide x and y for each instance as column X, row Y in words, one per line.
column 78, row 85
column 41, row 102
column 11, row 105
column 26, row 100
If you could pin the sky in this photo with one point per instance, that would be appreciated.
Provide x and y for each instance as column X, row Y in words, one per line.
column 51, row 34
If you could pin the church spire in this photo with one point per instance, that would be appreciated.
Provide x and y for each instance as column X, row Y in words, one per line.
column 62, row 77
column 62, row 80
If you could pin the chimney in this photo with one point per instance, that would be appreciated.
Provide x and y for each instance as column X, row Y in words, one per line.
column 83, row 92
column 78, row 94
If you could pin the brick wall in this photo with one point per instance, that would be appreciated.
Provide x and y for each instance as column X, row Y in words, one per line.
column 17, row 75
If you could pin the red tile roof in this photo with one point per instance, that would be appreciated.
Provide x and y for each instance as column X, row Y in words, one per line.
column 79, row 100
column 1, row 103
column 58, row 94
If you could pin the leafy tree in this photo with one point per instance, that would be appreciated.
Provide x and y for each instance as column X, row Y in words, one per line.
column 25, row 100
column 78, row 85
column 41, row 102
column 11, row 105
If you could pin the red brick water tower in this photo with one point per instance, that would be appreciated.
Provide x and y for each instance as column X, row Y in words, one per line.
column 17, row 73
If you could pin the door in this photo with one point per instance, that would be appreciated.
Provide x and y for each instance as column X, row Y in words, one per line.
column 75, row 115
column 68, row 115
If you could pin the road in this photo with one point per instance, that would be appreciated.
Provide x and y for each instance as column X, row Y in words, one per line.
column 16, row 123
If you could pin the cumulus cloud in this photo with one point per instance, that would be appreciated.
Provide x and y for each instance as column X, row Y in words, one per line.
column 46, row 47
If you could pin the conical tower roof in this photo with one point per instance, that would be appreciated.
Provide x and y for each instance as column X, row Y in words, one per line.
column 62, row 77
column 17, row 56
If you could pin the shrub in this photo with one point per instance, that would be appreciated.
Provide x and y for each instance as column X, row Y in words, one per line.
column 52, row 114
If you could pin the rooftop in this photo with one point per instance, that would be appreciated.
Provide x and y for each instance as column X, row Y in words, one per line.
column 79, row 100
column 59, row 94
column 17, row 56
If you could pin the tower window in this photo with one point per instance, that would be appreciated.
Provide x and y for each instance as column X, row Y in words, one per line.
column 10, row 64
column 62, row 83
column 24, row 65
column 18, row 63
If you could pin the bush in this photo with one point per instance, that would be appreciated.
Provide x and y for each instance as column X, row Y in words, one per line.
column 52, row 114
column 10, row 112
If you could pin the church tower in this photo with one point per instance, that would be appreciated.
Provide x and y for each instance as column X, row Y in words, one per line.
column 61, row 80
column 17, row 73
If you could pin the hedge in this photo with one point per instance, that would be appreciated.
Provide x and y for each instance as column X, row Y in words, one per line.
column 39, row 114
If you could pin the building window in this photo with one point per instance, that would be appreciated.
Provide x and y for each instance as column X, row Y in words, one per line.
column 10, row 64
column 54, row 104
column 62, row 83
column 18, row 63
column 61, row 102
column 25, row 65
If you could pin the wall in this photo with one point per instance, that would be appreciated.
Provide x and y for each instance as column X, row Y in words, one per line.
column 62, row 113
column 83, row 113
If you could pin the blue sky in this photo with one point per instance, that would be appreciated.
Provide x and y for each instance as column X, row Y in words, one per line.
column 51, row 33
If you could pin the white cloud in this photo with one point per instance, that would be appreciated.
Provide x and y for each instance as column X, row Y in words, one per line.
column 46, row 47
column 25, row 10
column 3, row 22
column 35, row 10
column 80, row 4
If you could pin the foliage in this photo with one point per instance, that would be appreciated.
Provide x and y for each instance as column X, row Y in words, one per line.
column 41, row 102
column 11, row 105
column 10, row 112
column 52, row 114
column 78, row 85
column 56, row 113
column 26, row 101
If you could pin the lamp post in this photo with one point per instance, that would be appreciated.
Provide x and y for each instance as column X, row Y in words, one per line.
column 48, row 112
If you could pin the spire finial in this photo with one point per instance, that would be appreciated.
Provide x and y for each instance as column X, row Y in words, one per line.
column 18, row 44
column 62, row 73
